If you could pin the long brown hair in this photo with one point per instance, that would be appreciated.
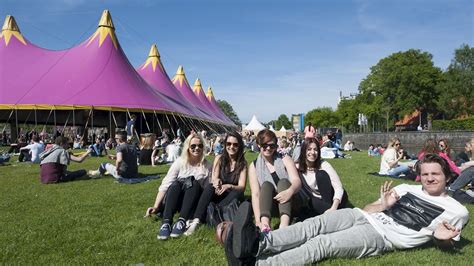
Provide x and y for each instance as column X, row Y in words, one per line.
column 430, row 146
column 303, row 166
column 240, row 163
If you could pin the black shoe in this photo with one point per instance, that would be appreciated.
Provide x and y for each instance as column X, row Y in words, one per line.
column 245, row 233
column 232, row 260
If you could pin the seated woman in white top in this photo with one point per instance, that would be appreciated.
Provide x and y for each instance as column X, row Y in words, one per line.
column 182, row 186
column 389, row 164
column 321, row 185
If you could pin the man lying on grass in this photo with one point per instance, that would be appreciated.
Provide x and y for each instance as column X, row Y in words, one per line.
column 405, row 216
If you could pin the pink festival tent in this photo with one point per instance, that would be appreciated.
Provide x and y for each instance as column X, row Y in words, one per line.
column 197, row 89
column 94, row 74
column 181, row 83
column 155, row 74
column 214, row 105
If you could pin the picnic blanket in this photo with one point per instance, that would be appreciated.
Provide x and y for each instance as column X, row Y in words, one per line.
column 136, row 180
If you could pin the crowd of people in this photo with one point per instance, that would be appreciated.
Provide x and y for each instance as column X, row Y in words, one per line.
column 289, row 179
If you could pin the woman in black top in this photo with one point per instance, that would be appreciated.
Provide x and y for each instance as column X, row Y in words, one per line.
column 228, row 179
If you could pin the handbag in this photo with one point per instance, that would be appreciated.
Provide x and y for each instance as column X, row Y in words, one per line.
column 217, row 214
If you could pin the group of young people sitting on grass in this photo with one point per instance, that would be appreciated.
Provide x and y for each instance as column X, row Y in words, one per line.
column 405, row 216
column 277, row 184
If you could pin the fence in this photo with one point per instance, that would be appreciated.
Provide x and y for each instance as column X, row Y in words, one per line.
column 412, row 141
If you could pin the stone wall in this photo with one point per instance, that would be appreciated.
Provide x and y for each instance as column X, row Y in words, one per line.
column 412, row 141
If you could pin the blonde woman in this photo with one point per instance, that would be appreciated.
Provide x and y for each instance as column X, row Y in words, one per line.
column 392, row 155
column 182, row 186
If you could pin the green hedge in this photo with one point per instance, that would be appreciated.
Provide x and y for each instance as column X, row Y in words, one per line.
column 455, row 124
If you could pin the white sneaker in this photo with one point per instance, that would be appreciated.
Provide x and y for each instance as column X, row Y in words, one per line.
column 192, row 227
column 93, row 173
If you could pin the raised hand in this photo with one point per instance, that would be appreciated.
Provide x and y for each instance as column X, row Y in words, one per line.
column 445, row 231
column 388, row 196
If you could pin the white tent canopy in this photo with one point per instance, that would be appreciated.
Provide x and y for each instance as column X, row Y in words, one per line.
column 271, row 128
column 254, row 124
column 282, row 129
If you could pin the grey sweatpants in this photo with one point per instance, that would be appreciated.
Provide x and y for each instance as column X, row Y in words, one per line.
column 341, row 233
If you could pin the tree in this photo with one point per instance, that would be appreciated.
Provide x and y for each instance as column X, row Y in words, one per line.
column 400, row 84
column 322, row 117
column 456, row 90
column 229, row 111
column 283, row 121
column 348, row 111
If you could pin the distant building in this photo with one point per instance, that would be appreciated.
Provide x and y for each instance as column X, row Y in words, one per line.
column 351, row 96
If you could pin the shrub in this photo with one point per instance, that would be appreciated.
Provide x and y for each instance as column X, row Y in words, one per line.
column 455, row 124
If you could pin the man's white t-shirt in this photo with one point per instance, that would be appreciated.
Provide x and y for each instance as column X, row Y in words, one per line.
column 410, row 222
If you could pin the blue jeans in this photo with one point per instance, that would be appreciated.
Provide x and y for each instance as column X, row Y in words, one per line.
column 4, row 158
column 398, row 170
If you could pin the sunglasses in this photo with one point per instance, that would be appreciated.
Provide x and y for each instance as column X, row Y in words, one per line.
column 266, row 146
column 397, row 144
column 232, row 144
column 194, row 146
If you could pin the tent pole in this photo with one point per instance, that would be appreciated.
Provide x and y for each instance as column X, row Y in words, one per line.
column 171, row 127
column 17, row 132
column 36, row 119
column 92, row 125
column 47, row 119
column 74, row 122
column 153, row 123
column 27, row 117
column 157, row 120
column 10, row 116
column 115, row 120
column 188, row 124
column 110, row 123
column 112, row 132
column 144, row 117
column 54, row 116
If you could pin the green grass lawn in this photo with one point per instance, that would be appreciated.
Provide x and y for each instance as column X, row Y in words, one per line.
column 101, row 222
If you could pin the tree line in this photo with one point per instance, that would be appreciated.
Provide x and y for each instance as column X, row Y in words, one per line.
column 396, row 86
column 402, row 83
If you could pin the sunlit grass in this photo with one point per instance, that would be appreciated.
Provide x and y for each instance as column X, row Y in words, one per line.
column 100, row 221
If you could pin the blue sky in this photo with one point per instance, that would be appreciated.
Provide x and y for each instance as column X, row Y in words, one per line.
column 264, row 57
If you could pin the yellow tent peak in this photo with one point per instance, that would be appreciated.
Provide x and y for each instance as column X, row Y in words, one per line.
column 106, row 20
column 9, row 29
column 153, row 59
column 180, row 78
column 180, row 70
column 209, row 93
column 197, row 83
column 197, row 88
column 10, row 24
column 153, row 51
column 106, row 27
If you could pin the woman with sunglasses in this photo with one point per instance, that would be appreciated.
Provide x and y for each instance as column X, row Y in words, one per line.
column 228, row 179
column 391, row 156
column 445, row 148
column 320, row 182
column 273, row 180
column 182, row 186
